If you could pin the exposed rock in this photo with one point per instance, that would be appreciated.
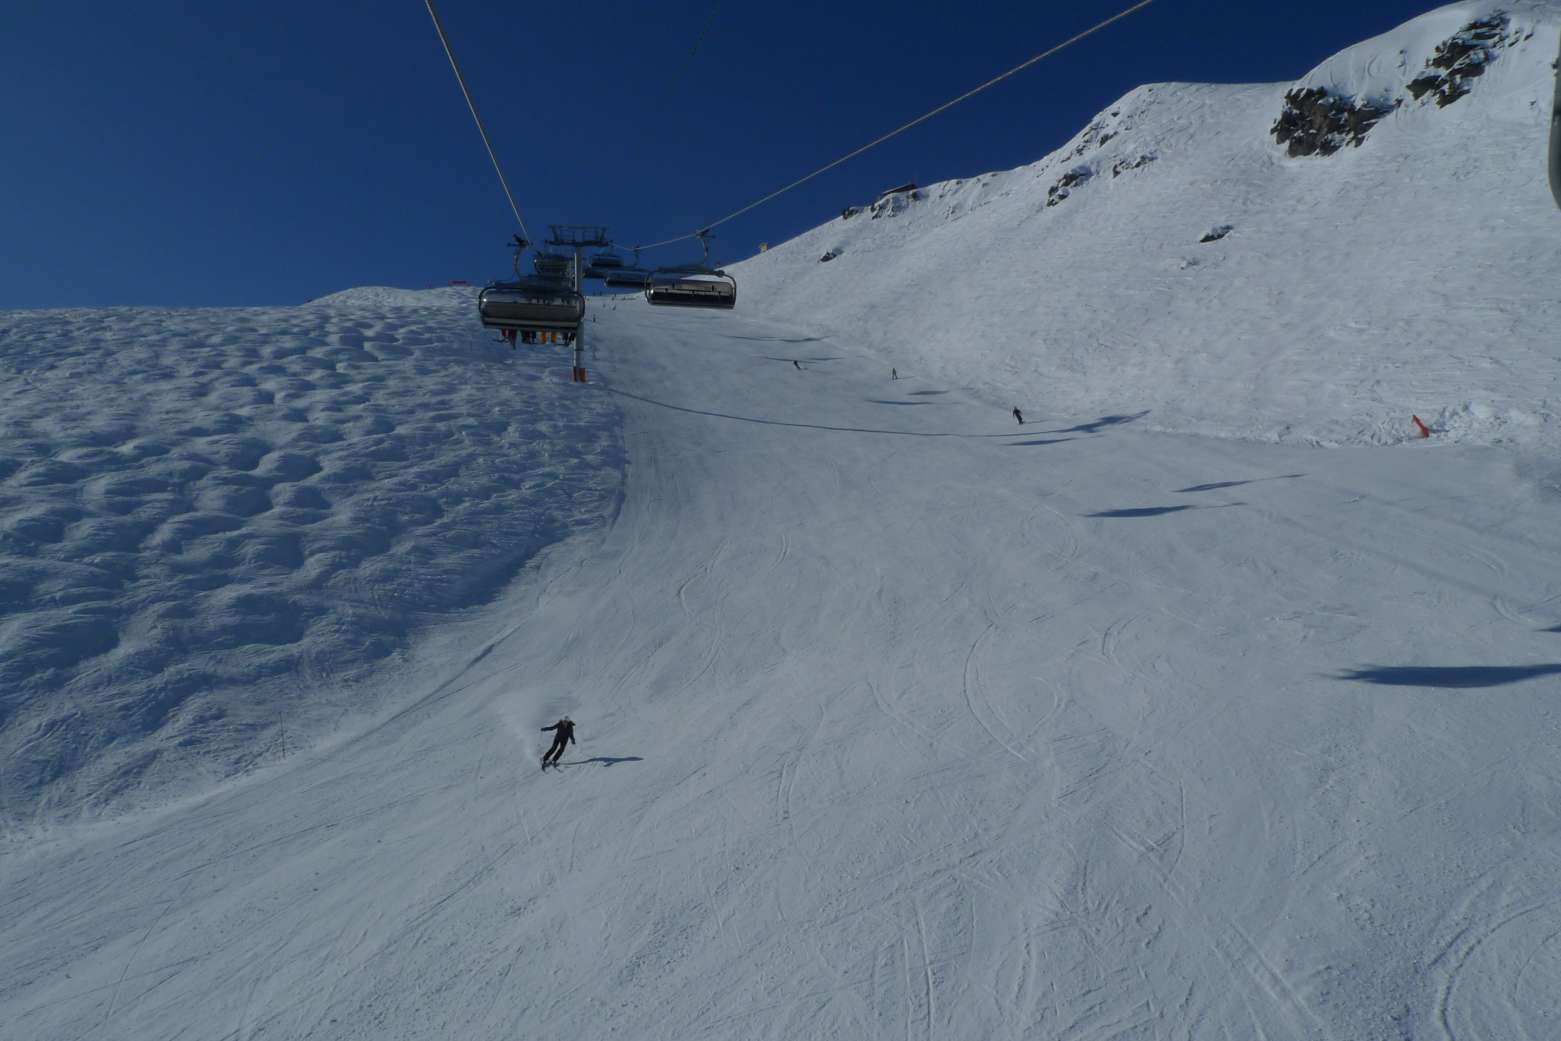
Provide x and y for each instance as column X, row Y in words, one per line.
column 895, row 203
column 1315, row 122
column 849, row 212
column 1059, row 191
column 1093, row 137
column 1217, row 232
column 830, row 255
column 1123, row 165
column 1461, row 58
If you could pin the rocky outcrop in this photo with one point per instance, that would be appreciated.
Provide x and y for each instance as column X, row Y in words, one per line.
column 1315, row 122
column 1059, row 191
column 1461, row 58
column 1121, row 166
column 892, row 204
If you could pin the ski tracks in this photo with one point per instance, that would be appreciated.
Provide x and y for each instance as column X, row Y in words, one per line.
column 113, row 999
column 974, row 689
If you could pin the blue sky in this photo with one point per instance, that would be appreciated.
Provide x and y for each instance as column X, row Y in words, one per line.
column 223, row 153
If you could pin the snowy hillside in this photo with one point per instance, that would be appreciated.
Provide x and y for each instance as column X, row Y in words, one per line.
column 1339, row 294
column 215, row 526
column 897, row 717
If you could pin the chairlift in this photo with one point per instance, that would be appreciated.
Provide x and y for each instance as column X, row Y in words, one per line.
column 603, row 261
column 531, row 305
column 540, row 309
column 625, row 278
column 622, row 275
column 692, row 285
column 551, row 265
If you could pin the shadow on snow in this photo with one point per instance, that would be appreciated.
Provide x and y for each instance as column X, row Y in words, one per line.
column 1159, row 511
column 1454, row 676
column 1095, row 426
column 788, row 423
column 1216, row 485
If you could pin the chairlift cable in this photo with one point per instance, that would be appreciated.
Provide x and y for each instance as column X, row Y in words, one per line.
column 1135, row 8
column 693, row 52
column 450, row 53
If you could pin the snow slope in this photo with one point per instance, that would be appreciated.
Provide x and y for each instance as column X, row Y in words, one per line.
column 896, row 719
column 214, row 524
column 1408, row 275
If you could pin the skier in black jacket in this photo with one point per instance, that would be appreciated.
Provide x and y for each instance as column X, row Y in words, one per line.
column 564, row 735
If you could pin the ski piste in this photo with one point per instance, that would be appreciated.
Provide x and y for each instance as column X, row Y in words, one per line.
column 1215, row 703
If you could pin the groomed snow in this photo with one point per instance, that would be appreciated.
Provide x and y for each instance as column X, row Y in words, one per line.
column 896, row 718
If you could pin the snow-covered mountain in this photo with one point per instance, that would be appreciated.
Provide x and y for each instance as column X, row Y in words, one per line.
column 1176, row 257
column 896, row 717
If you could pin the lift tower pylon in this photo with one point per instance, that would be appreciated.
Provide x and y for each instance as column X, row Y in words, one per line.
column 578, row 237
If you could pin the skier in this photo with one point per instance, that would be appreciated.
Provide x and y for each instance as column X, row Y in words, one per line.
column 564, row 735
column 797, row 364
column 894, row 374
column 1019, row 415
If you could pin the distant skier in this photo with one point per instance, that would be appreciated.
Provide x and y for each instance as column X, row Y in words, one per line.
column 564, row 734
column 796, row 364
column 1019, row 415
column 894, row 374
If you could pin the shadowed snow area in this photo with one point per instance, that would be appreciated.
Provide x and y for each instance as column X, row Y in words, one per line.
column 216, row 523
column 885, row 729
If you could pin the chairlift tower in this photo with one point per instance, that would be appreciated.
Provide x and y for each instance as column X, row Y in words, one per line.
column 578, row 237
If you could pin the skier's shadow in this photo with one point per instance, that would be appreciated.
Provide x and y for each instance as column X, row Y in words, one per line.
column 607, row 760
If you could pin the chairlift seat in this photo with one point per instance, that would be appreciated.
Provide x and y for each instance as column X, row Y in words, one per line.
column 550, row 265
column 625, row 278
column 531, row 304
column 691, row 286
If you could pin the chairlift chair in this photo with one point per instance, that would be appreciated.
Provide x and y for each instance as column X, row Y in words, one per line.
column 692, row 285
column 623, row 275
column 551, row 265
column 532, row 305
column 625, row 278
column 538, row 309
